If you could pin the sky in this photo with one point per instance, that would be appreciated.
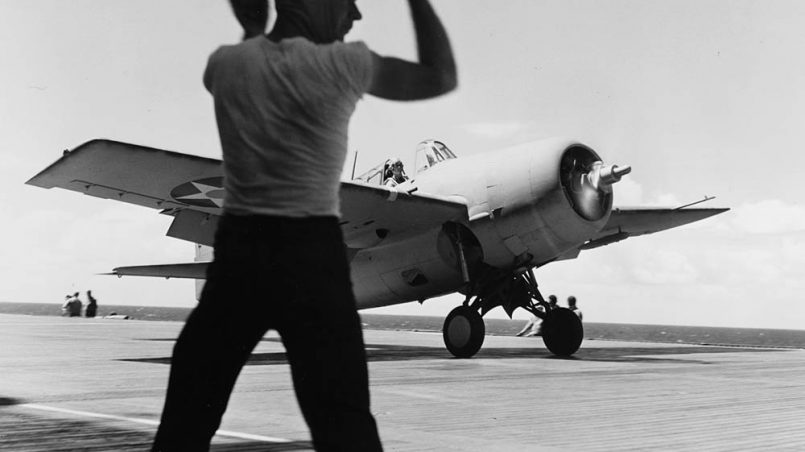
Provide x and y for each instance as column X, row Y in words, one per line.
column 700, row 97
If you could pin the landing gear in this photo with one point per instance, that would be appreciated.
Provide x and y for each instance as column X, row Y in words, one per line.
column 463, row 332
column 487, row 287
column 562, row 331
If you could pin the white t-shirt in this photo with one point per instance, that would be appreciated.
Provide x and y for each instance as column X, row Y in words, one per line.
column 283, row 111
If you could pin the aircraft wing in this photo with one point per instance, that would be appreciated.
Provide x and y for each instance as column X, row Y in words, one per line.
column 625, row 223
column 190, row 189
column 137, row 175
column 371, row 214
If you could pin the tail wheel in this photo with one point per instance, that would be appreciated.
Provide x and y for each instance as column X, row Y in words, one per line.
column 463, row 332
column 562, row 332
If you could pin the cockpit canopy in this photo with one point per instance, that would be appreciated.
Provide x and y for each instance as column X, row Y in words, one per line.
column 429, row 153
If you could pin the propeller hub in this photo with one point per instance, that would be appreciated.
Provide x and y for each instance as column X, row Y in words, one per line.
column 588, row 182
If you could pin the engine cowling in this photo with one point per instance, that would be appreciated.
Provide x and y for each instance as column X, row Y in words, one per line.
column 542, row 200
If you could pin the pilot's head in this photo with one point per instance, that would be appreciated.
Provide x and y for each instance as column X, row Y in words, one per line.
column 552, row 300
column 571, row 301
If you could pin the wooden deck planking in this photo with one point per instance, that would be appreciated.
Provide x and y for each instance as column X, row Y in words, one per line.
column 512, row 396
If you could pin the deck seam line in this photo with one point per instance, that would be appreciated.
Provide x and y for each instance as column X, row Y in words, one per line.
column 239, row 435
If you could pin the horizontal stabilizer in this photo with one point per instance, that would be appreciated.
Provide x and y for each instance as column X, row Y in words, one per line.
column 195, row 270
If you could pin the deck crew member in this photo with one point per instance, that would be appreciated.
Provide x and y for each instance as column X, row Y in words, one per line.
column 283, row 103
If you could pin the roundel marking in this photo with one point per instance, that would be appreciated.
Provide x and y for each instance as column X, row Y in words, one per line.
column 207, row 192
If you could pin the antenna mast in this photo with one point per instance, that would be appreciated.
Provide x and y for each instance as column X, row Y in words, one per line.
column 354, row 163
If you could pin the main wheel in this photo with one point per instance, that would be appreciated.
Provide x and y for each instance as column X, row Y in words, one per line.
column 562, row 332
column 463, row 332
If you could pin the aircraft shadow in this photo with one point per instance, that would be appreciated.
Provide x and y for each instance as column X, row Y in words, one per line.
column 386, row 352
column 22, row 430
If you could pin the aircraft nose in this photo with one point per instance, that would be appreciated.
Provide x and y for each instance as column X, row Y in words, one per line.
column 587, row 182
column 592, row 190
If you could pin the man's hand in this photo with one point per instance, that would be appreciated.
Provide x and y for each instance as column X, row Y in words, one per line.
column 252, row 16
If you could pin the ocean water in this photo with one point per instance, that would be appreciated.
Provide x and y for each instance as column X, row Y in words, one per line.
column 750, row 337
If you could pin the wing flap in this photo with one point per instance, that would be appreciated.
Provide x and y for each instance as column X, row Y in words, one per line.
column 193, row 226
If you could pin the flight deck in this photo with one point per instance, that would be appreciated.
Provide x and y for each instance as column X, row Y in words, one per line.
column 98, row 385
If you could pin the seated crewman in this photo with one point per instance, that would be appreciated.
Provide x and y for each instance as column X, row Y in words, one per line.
column 394, row 173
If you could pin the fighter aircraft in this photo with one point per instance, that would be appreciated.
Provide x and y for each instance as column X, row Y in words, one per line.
column 477, row 225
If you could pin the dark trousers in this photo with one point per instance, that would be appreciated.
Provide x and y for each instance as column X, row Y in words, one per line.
column 286, row 274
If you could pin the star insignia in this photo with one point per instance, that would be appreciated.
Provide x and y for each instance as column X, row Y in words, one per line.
column 205, row 192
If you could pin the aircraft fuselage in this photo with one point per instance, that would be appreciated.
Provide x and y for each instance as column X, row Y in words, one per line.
column 522, row 212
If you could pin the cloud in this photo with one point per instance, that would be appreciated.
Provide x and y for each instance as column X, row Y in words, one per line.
column 667, row 200
column 628, row 193
column 794, row 251
column 769, row 217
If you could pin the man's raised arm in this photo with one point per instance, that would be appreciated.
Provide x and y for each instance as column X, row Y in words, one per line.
column 433, row 75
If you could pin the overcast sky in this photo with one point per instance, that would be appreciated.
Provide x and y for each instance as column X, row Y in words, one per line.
column 700, row 97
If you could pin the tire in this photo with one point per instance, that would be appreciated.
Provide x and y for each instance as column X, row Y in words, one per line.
column 463, row 332
column 562, row 332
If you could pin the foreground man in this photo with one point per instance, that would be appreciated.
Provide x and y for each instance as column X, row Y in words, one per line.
column 283, row 104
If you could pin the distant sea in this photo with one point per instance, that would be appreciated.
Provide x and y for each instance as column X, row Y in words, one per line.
column 748, row 337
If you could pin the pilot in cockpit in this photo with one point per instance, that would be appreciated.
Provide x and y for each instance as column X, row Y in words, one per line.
column 393, row 173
